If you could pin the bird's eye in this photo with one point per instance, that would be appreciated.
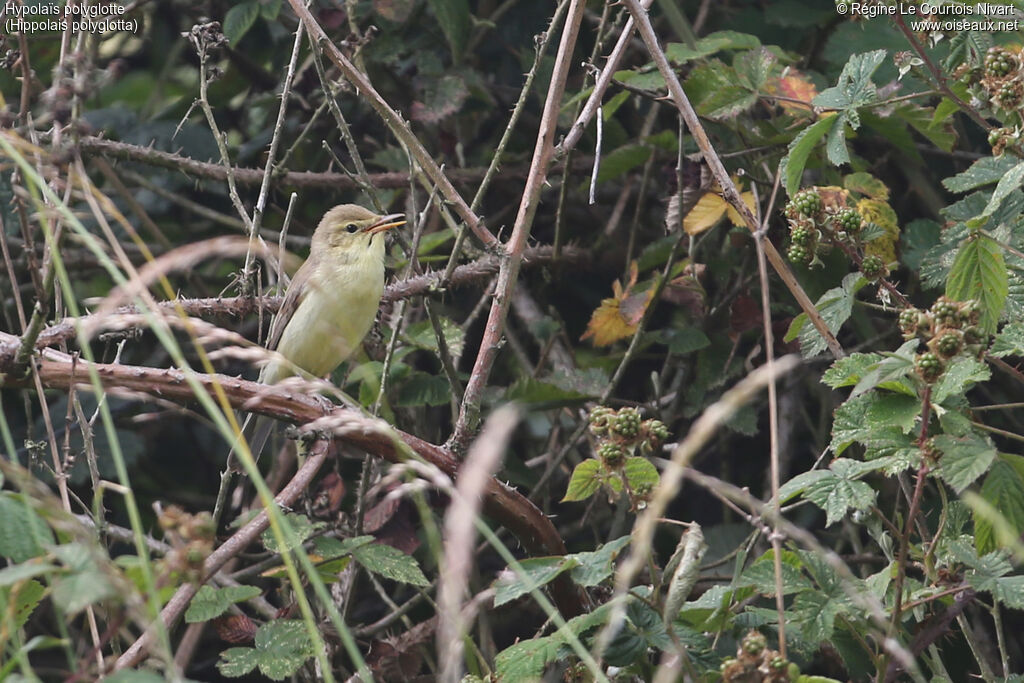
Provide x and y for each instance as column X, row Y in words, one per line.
column 351, row 228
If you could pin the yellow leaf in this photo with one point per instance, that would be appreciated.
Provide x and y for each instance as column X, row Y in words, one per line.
column 794, row 86
column 881, row 213
column 617, row 318
column 734, row 215
column 708, row 210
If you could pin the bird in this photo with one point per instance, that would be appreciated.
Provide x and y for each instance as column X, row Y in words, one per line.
column 330, row 304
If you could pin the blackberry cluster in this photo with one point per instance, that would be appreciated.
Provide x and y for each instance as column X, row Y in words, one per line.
column 873, row 267
column 999, row 62
column 621, row 433
column 798, row 254
column 848, row 220
column 801, row 235
column 1010, row 95
column 948, row 329
column 756, row 663
column 929, row 366
column 807, row 203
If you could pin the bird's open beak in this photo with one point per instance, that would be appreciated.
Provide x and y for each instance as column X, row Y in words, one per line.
column 386, row 223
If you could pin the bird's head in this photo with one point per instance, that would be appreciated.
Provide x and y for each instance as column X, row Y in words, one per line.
column 352, row 230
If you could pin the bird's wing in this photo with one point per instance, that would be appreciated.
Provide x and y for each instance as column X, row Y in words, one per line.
column 292, row 298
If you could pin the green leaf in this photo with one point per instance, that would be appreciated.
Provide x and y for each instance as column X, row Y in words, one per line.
column 537, row 573
column 862, row 416
column 84, row 583
column 761, row 574
column 239, row 19
column 710, row 44
column 754, row 67
column 889, row 372
column 964, row 459
column 800, row 483
column 456, row 22
column 984, row 171
column 595, row 566
column 623, row 160
column 1008, row 183
column 270, row 9
column 866, row 184
column 800, row 149
column 17, row 573
column 847, row 371
column 917, row 237
column 835, row 307
column 281, row 647
column 391, row 563
column 835, row 146
column 641, row 474
column 840, row 492
column 296, row 531
column 329, row 548
column 1009, row 341
column 526, row 660
column 979, row 273
column 27, row 596
column 23, row 533
column 854, row 88
column 210, row 603
column 1003, row 489
column 959, row 377
column 421, row 334
column 585, row 480
column 422, row 389
column 686, row 340
column 715, row 91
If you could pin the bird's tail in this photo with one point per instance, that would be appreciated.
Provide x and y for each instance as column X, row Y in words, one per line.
column 256, row 431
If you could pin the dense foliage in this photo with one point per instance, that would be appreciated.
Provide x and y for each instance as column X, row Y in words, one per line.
column 716, row 381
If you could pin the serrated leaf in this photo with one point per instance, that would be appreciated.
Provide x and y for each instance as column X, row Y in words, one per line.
column 710, row 44
column 800, row 149
column 753, row 67
column 848, row 370
column 455, row 20
column 1009, row 341
column 211, row 602
column 23, row 533
column 862, row 416
column 641, row 474
column 889, row 372
column 526, row 660
column 298, row 529
column 964, row 459
column 595, row 566
column 866, row 184
column 84, row 583
column 839, row 492
column 537, row 572
column 422, row 389
column 984, row 171
column 1008, row 183
column 26, row 597
column 585, row 480
column 959, row 376
column 391, row 563
column 835, row 306
column 1003, row 489
column 761, row 574
column 281, row 648
column 979, row 272
column 854, row 87
column 239, row 19
column 835, row 145
column 236, row 662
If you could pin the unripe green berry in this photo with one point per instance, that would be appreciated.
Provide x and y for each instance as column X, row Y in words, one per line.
column 929, row 366
column 946, row 311
column 908, row 321
column 600, row 418
column 801, row 235
column 949, row 344
column 999, row 62
column 807, row 203
column 975, row 335
column 611, row 454
column 873, row 267
column 798, row 254
column 849, row 220
column 754, row 643
column 626, row 423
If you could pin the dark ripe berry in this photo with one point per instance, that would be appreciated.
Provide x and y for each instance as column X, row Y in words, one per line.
column 807, row 203
column 999, row 62
column 600, row 418
column 908, row 321
column 626, row 423
column 873, row 267
column 929, row 366
column 611, row 454
column 848, row 220
column 754, row 643
column 798, row 254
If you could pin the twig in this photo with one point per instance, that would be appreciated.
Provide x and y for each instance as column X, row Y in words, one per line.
column 513, row 251
column 394, row 121
column 729, row 191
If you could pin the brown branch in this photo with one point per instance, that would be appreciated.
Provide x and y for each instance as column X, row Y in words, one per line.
column 394, row 121
column 512, row 255
column 510, row 508
column 241, row 306
column 729, row 191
